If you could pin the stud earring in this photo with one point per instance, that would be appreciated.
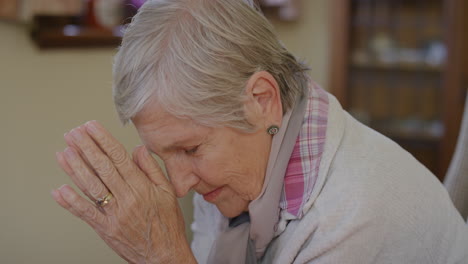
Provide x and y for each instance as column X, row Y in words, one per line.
column 273, row 130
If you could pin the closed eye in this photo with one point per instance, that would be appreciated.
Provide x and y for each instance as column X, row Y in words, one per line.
column 191, row 151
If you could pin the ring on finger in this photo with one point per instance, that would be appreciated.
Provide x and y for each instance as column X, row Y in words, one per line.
column 104, row 200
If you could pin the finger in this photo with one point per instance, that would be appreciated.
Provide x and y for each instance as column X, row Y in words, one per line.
column 152, row 170
column 97, row 227
column 82, row 176
column 78, row 206
column 150, row 166
column 69, row 141
column 63, row 163
column 135, row 155
column 77, row 179
column 99, row 162
column 58, row 198
column 116, row 153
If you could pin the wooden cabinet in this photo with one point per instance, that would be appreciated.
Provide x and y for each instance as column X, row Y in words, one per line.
column 399, row 66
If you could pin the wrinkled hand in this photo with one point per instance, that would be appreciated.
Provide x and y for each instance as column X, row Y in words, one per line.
column 142, row 221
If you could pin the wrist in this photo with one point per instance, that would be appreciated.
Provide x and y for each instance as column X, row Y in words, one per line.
column 184, row 255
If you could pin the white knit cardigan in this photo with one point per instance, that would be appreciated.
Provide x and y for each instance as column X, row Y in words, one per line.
column 372, row 203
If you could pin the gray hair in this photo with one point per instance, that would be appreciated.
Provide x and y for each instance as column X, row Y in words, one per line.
column 196, row 56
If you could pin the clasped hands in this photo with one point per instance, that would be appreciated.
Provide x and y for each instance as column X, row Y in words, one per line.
column 141, row 221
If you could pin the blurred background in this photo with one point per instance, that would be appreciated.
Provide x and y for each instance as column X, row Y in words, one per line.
column 397, row 66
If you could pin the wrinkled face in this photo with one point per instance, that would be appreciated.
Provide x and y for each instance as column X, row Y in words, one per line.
column 224, row 165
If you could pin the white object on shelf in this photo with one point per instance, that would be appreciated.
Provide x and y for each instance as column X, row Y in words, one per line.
column 109, row 13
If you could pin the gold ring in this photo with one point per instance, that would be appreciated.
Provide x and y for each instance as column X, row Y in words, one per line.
column 104, row 200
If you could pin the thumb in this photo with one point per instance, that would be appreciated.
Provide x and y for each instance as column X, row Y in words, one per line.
column 149, row 166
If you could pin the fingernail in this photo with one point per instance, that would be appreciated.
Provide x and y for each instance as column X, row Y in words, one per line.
column 65, row 192
column 54, row 193
column 76, row 134
column 70, row 153
column 147, row 154
column 91, row 126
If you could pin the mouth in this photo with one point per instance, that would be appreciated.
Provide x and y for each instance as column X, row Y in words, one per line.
column 211, row 196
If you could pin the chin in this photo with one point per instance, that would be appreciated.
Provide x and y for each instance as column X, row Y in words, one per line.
column 230, row 214
column 231, row 211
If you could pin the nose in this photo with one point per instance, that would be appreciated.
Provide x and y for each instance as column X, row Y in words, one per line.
column 182, row 176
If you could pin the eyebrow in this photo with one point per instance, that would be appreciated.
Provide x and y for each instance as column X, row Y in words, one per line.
column 176, row 144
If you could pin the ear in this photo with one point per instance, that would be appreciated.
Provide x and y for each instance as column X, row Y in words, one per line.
column 263, row 104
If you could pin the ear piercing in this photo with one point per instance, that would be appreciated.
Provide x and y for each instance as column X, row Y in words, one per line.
column 273, row 130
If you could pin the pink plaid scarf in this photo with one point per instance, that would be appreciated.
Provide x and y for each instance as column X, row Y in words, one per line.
column 304, row 164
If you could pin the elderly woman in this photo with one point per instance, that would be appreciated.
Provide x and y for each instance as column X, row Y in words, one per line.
column 282, row 173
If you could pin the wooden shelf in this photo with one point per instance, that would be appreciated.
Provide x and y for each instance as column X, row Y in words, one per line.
column 417, row 130
column 84, row 37
column 413, row 137
column 68, row 32
column 403, row 67
column 414, row 23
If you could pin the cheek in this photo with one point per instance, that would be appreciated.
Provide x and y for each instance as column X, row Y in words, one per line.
column 209, row 169
column 218, row 167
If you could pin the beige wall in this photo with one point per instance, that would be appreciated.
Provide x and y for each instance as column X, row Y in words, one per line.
column 308, row 38
column 44, row 94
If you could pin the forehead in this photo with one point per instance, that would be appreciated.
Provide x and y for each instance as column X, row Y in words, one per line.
column 160, row 130
column 154, row 117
